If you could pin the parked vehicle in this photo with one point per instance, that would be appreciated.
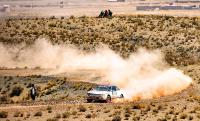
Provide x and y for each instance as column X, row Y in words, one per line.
column 104, row 93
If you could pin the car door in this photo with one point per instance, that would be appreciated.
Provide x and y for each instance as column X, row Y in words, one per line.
column 118, row 92
column 114, row 92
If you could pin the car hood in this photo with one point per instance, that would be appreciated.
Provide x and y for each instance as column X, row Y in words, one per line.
column 97, row 92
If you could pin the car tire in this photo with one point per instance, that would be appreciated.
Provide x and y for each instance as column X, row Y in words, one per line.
column 89, row 100
column 121, row 96
column 108, row 99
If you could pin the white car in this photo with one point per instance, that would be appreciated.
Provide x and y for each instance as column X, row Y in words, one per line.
column 104, row 93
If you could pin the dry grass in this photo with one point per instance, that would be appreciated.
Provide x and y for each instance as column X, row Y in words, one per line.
column 66, row 115
column 123, row 34
column 177, row 37
column 18, row 114
column 82, row 108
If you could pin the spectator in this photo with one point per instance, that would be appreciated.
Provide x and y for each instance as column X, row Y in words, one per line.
column 105, row 13
column 109, row 13
column 101, row 14
column 33, row 92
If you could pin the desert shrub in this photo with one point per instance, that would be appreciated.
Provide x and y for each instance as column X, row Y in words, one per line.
column 136, row 118
column 106, row 111
column 49, row 108
column 72, row 17
column 81, row 108
column 39, row 113
column 4, row 99
column 10, row 78
column 28, row 115
column 52, row 119
column 52, row 25
column 62, row 17
column 127, row 110
column 117, row 112
column 50, row 91
column 29, row 85
column 18, row 114
column 3, row 114
column 50, row 84
column 93, row 115
column 116, row 118
column 162, row 119
column 98, row 110
column 190, row 118
column 66, row 115
column 58, row 116
column 138, row 106
column 117, row 107
column 16, row 91
column 49, row 111
column 127, row 115
column 126, row 118
column 183, row 116
column 88, row 116
column 198, row 116
column 74, row 113
column 52, row 17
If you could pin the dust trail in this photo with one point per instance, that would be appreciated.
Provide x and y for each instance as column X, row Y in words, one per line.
column 143, row 75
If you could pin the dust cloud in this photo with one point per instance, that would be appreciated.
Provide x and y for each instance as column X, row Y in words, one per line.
column 143, row 75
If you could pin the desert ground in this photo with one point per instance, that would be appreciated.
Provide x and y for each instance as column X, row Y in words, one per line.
column 61, row 95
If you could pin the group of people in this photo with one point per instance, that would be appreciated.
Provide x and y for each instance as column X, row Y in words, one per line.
column 105, row 13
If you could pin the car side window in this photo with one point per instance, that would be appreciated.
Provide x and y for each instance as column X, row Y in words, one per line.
column 117, row 88
column 114, row 88
column 109, row 88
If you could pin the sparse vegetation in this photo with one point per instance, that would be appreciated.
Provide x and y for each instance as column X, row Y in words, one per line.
column 88, row 116
column 3, row 114
column 16, row 91
column 176, row 37
column 66, row 115
column 123, row 34
column 116, row 118
column 58, row 116
column 82, row 108
column 18, row 114
column 183, row 116
column 39, row 113
column 52, row 119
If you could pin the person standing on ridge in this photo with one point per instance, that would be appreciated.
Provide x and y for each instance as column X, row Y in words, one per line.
column 33, row 92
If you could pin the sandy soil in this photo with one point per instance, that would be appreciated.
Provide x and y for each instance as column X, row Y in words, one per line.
column 69, row 101
column 165, row 108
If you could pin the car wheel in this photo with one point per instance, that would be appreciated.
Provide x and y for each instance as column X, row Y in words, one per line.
column 108, row 99
column 89, row 100
column 121, row 96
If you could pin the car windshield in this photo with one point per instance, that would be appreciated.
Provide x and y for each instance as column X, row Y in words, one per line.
column 101, row 88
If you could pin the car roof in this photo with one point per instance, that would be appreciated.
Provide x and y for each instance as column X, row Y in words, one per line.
column 106, row 85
